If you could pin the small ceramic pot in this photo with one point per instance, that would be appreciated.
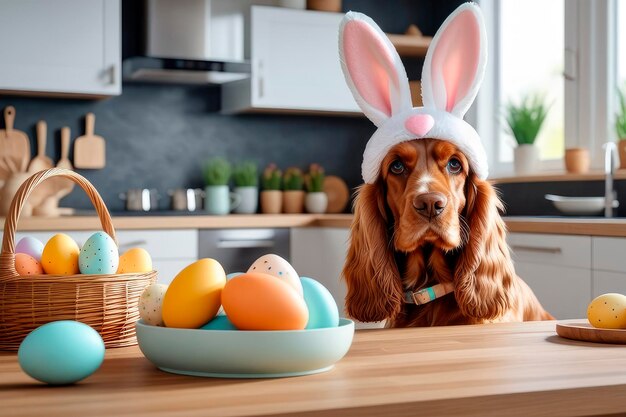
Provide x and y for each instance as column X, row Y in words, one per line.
column 293, row 201
column 316, row 202
column 249, row 200
column 577, row 160
column 526, row 159
column 219, row 200
column 271, row 201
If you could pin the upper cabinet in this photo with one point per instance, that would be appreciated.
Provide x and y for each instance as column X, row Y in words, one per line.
column 61, row 47
column 295, row 65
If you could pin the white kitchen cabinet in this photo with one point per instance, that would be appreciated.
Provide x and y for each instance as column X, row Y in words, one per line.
column 320, row 253
column 295, row 65
column 606, row 281
column 170, row 250
column 61, row 46
column 557, row 268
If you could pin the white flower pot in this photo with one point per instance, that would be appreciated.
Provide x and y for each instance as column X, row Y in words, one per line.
column 526, row 159
column 249, row 200
column 316, row 202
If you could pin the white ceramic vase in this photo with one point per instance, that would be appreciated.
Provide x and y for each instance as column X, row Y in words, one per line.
column 316, row 202
column 526, row 159
column 249, row 200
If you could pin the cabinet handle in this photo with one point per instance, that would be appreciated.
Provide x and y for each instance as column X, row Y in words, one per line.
column 539, row 249
column 133, row 244
column 260, row 79
column 231, row 244
column 111, row 72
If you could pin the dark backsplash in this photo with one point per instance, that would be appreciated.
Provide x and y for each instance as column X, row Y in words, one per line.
column 158, row 136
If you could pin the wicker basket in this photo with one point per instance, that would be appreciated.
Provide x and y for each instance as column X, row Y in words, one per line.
column 108, row 303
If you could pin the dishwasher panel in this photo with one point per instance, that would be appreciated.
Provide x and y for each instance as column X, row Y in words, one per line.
column 237, row 249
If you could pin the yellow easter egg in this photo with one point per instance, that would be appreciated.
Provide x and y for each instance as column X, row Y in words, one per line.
column 135, row 260
column 608, row 311
column 194, row 296
column 60, row 256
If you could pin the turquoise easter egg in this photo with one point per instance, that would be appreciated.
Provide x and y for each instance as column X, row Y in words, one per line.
column 323, row 311
column 99, row 255
column 219, row 323
column 61, row 352
column 233, row 275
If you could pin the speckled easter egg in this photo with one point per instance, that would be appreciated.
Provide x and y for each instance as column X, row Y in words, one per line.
column 99, row 255
column 27, row 265
column 30, row 246
column 151, row 304
column 608, row 311
column 60, row 256
column 277, row 267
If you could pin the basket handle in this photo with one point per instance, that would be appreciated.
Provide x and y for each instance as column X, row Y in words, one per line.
column 22, row 194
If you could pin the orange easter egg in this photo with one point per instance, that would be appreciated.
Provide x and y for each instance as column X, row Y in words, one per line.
column 60, row 256
column 27, row 265
column 258, row 301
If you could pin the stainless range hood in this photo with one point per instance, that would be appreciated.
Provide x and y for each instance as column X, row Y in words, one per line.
column 197, row 41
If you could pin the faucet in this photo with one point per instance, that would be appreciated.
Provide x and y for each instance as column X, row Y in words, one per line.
column 610, row 163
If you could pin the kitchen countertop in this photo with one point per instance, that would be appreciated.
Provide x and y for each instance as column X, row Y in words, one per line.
column 512, row 369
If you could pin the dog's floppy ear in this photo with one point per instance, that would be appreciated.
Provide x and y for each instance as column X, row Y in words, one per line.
column 371, row 274
column 373, row 69
column 484, row 271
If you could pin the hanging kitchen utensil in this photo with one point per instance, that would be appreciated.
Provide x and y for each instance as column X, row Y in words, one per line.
column 90, row 149
column 41, row 161
column 14, row 144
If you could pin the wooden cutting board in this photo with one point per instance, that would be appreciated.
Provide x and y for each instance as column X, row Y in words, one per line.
column 41, row 161
column 337, row 192
column 90, row 149
column 583, row 331
column 14, row 144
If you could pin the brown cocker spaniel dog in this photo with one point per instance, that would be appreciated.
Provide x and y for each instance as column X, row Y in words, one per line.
column 430, row 220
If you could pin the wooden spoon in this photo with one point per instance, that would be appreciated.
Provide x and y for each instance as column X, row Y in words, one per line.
column 41, row 161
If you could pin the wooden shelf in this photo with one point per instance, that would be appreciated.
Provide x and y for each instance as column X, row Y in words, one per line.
column 410, row 45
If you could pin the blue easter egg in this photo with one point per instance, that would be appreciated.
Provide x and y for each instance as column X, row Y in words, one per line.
column 323, row 311
column 99, row 255
column 61, row 352
column 219, row 323
column 233, row 275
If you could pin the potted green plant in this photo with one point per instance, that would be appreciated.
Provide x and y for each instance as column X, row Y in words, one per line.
column 620, row 126
column 293, row 195
column 316, row 200
column 271, row 195
column 246, row 178
column 219, row 199
column 524, row 123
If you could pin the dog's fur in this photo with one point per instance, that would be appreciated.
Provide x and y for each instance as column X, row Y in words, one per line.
column 397, row 246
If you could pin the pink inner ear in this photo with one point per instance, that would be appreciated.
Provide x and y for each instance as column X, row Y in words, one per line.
column 370, row 64
column 456, row 57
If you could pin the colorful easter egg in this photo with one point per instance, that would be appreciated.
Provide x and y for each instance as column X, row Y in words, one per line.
column 278, row 267
column 27, row 265
column 151, row 304
column 60, row 256
column 323, row 311
column 608, row 311
column 61, row 352
column 99, row 255
column 258, row 301
column 135, row 260
column 193, row 297
column 30, row 246
column 219, row 323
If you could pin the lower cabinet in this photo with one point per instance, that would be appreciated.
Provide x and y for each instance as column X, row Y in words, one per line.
column 558, row 270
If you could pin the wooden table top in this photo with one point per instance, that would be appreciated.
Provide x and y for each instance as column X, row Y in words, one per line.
column 508, row 369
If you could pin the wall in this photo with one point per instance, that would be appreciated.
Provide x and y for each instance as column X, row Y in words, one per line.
column 159, row 135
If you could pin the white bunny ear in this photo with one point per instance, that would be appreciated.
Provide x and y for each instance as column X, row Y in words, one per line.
column 373, row 69
column 455, row 61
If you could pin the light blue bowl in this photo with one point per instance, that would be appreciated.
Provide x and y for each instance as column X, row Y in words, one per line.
column 245, row 354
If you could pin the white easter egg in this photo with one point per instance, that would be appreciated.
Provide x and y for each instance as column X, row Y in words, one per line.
column 278, row 267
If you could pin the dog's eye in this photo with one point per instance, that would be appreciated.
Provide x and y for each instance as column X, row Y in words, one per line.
column 397, row 167
column 454, row 166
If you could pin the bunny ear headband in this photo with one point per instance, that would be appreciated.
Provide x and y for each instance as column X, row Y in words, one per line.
column 452, row 73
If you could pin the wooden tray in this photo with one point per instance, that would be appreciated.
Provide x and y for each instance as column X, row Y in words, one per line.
column 582, row 330
column 337, row 192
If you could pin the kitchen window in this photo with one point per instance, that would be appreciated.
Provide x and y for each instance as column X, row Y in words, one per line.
column 564, row 50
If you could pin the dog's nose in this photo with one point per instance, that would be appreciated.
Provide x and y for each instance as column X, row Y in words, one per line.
column 430, row 204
